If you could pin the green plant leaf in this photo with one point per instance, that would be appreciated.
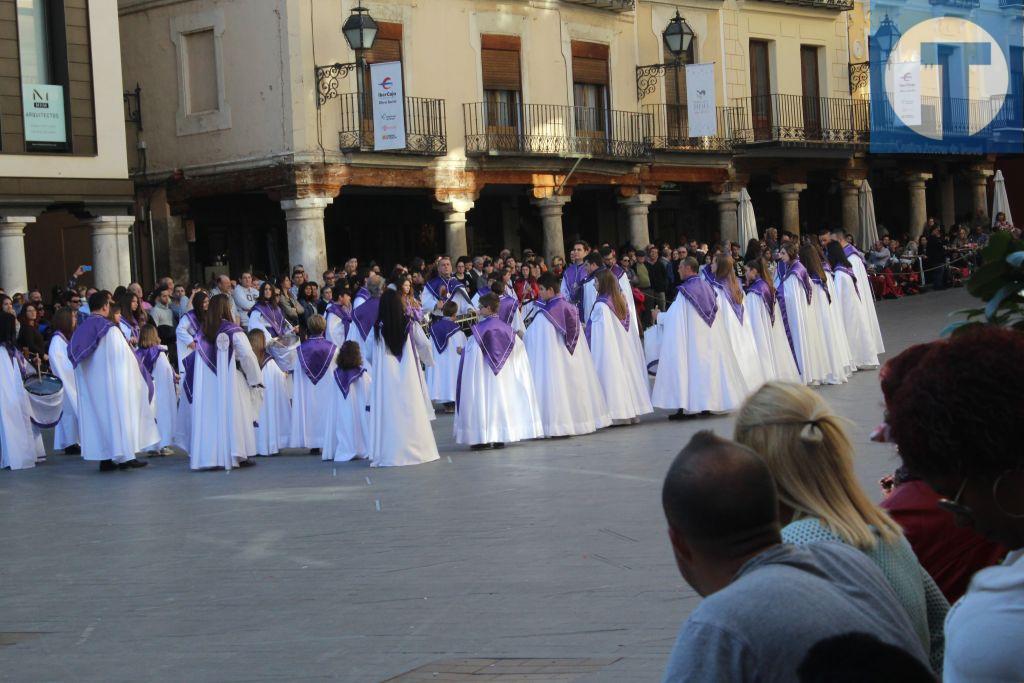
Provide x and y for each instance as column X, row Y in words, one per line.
column 1016, row 259
column 1008, row 290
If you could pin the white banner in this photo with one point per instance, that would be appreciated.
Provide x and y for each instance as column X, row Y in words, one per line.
column 906, row 80
column 700, row 100
column 43, row 113
column 388, row 106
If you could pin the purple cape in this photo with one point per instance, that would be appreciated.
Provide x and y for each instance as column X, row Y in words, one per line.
column 365, row 317
column 607, row 301
column 346, row 378
column 190, row 375
column 737, row 308
column 87, row 337
column 507, row 308
column 193, row 320
column 363, row 293
column 208, row 350
column 853, row 277
column 701, row 296
column 147, row 361
column 761, row 289
column 573, row 278
column 273, row 318
column 564, row 317
column 851, row 250
column 797, row 270
column 315, row 356
column 441, row 331
column 451, row 284
column 617, row 271
column 824, row 286
column 344, row 314
column 496, row 339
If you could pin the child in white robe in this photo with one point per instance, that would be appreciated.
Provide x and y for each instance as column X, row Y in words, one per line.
column 272, row 425
column 448, row 341
column 773, row 349
column 347, row 427
column 65, row 434
column 496, row 402
column 158, row 372
column 312, row 391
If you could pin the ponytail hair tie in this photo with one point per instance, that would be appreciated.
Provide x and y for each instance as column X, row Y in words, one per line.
column 811, row 432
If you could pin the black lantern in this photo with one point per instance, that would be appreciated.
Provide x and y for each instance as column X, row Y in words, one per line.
column 360, row 29
column 887, row 36
column 678, row 35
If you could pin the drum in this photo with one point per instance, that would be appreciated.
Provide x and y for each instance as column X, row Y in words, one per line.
column 46, row 397
column 43, row 385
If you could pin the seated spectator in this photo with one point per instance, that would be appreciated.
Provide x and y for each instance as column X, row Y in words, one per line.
column 956, row 418
column 766, row 603
column 859, row 657
column 878, row 257
column 807, row 450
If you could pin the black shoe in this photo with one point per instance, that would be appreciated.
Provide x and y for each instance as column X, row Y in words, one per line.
column 479, row 446
column 314, row 451
column 73, row 449
column 682, row 415
column 248, row 462
column 107, row 466
column 133, row 464
column 497, row 445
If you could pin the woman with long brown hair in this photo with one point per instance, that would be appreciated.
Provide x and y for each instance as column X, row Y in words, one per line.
column 189, row 326
column 618, row 359
column 762, row 308
column 225, row 383
column 796, row 294
column 837, row 346
column 737, row 324
column 133, row 317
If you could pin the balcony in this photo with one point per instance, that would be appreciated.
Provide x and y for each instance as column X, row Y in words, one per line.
column 669, row 130
column 837, row 5
column 795, row 120
column 503, row 129
column 424, row 126
column 612, row 5
column 954, row 117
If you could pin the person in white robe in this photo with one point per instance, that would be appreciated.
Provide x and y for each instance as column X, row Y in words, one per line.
column 133, row 317
column 509, row 309
column 848, row 294
column 339, row 316
column 226, row 388
column 311, row 388
column 447, row 340
column 65, row 434
column 159, row 375
column 444, row 287
column 21, row 444
column 400, row 409
column 618, row 361
column 773, row 348
column 347, row 428
column 277, row 362
column 867, row 299
column 697, row 370
column 800, row 318
column 837, row 347
column 267, row 315
column 115, row 417
column 569, row 394
column 365, row 317
column 189, row 327
column 496, row 402
column 574, row 275
column 738, row 325
column 594, row 263
column 362, row 295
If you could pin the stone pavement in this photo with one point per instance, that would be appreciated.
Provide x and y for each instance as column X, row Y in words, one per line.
column 552, row 551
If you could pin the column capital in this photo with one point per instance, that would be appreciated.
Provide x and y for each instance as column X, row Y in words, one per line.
column 12, row 220
column 914, row 178
column 112, row 225
column 976, row 173
column 850, row 185
column 551, row 206
column 639, row 200
column 789, row 188
column 726, row 200
column 305, row 203
column 454, row 206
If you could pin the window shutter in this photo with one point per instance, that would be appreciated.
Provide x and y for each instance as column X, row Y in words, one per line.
column 589, row 63
column 388, row 45
column 500, row 62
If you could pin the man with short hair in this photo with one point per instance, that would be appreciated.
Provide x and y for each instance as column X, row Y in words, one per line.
column 161, row 312
column 245, row 296
column 475, row 274
column 574, row 275
column 444, row 287
column 766, row 603
column 656, row 275
column 179, row 303
column 298, row 280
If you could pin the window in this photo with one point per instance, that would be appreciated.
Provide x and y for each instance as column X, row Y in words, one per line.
column 34, row 42
column 201, row 61
column 760, row 90
column 42, row 56
column 590, row 87
column 810, row 81
column 675, row 94
column 202, row 96
column 500, row 66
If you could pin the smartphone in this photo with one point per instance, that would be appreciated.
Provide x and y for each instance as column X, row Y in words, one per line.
column 86, row 269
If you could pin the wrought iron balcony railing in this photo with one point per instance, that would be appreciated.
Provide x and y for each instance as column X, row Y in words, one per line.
column 670, row 129
column 953, row 117
column 795, row 119
column 838, row 5
column 554, row 130
column 613, row 5
column 424, row 126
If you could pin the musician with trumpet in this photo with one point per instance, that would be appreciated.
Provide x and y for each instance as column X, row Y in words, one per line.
column 444, row 287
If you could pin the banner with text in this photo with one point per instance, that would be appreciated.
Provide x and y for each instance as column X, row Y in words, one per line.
column 388, row 106
column 43, row 113
column 906, row 77
column 700, row 100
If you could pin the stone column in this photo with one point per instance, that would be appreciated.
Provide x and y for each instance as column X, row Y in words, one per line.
column 728, row 216
column 13, row 271
column 978, row 178
column 111, row 252
column 637, row 208
column 789, row 193
column 916, row 184
column 948, row 195
column 850, row 190
column 456, row 241
column 551, row 217
column 307, row 243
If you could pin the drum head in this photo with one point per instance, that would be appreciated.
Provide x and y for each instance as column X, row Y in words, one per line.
column 47, row 385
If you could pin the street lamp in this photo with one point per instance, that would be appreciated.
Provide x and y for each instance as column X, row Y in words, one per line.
column 677, row 35
column 360, row 32
column 887, row 36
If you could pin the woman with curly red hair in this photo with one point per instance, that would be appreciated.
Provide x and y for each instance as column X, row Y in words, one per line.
column 957, row 417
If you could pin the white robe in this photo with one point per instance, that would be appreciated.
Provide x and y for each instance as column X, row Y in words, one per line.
column 224, row 406
column 165, row 400
column 498, row 408
column 364, row 344
column 846, row 297
column 443, row 376
column 115, row 418
column 66, row 432
column 20, row 441
column 590, row 298
column 697, row 368
column 309, row 406
column 347, row 428
column 620, row 368
column 837, row 348
column 258, row 322
column 400, row 431
column 777, row 362
column 274, row 421
column 805, row 327
column 461, row 297
column 185, row 334
column 867, row 302
column 741, row 337
column 569, row 396
column 336, row 329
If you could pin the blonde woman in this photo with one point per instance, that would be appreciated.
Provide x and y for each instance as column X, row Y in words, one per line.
column 809, row 453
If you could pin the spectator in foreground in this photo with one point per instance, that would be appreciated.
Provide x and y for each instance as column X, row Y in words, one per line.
column 766, row 603
column 857, row 658
column 957, row 420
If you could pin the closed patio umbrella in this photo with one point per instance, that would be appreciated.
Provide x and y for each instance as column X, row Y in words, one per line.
column 1000, row 201
column 747, row 222
column 867, row 235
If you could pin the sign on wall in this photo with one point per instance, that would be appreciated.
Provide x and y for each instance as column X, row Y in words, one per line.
column 907, row 92
column 43, row 113
column 388, row 106
column 700, row 100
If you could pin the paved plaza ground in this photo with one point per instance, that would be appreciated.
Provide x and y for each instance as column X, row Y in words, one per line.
column 303, row 570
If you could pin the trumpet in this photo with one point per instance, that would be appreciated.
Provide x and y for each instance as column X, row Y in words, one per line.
column 464, row 321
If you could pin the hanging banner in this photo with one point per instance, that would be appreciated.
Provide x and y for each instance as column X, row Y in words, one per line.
column 388, row 106
column 43, row 113
column 700, row 100
column 906, row 100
